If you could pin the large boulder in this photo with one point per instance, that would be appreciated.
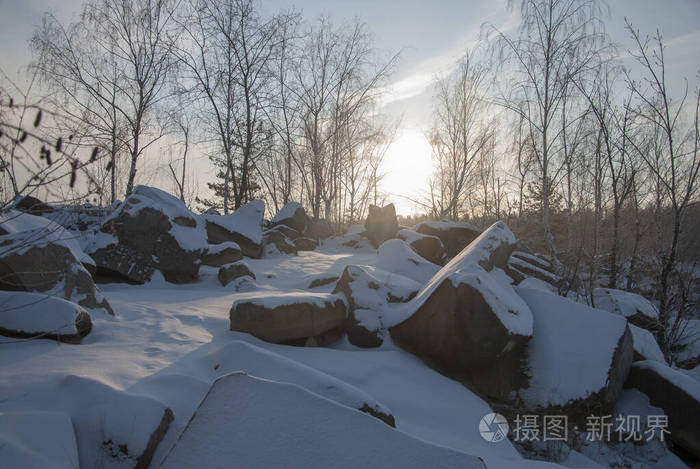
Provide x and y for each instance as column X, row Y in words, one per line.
column 287, row 317
column 645, row 345
column 467, row 317
column 276, row 242
column 305, row 244
column 243, row 227
column 674, row 392
column 369, row 291
column 152, row 231
column 427, row 246
column 381, row 224
column 637, row 309
column 455, row 235
column 40, row 256
column 298, row 428
column 577, row 360
column 292, row 215
column 397, row 257
column 36, row 316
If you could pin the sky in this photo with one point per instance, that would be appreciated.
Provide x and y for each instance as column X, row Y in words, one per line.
column 431, row 36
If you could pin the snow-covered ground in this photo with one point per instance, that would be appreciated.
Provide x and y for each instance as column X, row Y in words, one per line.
column 168, row 343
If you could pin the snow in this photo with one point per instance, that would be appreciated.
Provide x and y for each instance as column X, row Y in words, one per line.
column 36, row 313
column 246, row 220
column 537, row 284
column 681, row 380
column 150, row 197
column 31, row 230
column 372, row 286
column 623, row 303
column 300, row 429
column 37, row 440
column 396, row 256
column 287, row 212
column 571, row 350
column 645, row 344
column 411, row 236
column 218, row 248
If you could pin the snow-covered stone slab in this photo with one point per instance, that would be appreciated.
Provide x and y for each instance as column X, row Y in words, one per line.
column 645, row 345
column 369, row 290
column 230, row 272
column 677, row 394
column 256, row 423
column 37, row 440
column 216, row 255
column 396, row 256
column 465, row 318
column 34, row 315
column 428, row 246
column 244, row 227
column 637, row 309
column 287, row 316
column 578, row 357
column 526, row 269
column 455, row 235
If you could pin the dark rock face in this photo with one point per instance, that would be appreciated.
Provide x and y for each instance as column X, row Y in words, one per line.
column 145, row 244
column 427, row 246
column 228, row 273
column 43, row 267
column 243, row 227
column 672, row 391
column 32, row 205
column 218, row 255
column 287, row 231
column 288, row 317
column 276, row 240
column 319, row 229
column 455, row 236
column 381, row 224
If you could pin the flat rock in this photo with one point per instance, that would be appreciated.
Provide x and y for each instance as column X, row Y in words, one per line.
column 216, row 255
column 637, row 309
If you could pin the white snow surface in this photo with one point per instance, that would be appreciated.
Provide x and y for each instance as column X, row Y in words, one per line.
column 645, row 344
column 623, row 303
column 37, row 440
column 679, row 379
column 300, row 429
column 396, row 256
column 32, row 230
column 571, row 349
column 37, row 313
column 510, row 309
column 410, row 235
column 271, row 299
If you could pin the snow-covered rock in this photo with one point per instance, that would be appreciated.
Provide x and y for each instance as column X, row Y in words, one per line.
column 368, row 291
column 285, row 317
column 230, row 272
column 259, row 423
column 216, row 255
column 645, row 345
column 637, row 309
column 37, row 439
column 35, row 315
column 244, row 227
column 397, row 257
column 427, row 246
column 466, row 317
column 153, row 231
column 455, row 235
column 292, row 215
column 578, row 357
column 276, row 242
column 36, row 254
column 303, row 243
column 381, row 224
column 520, row 268
column 674, row 392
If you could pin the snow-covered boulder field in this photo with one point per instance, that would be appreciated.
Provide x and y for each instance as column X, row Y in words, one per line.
column 239, row 341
